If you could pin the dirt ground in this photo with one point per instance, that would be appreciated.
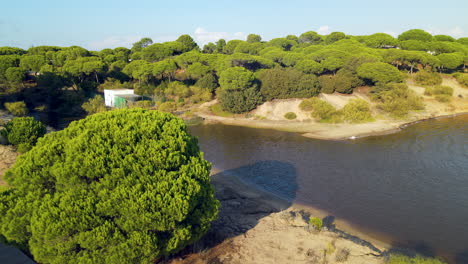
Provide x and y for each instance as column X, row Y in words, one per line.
column 256, row 227
column 7, row 158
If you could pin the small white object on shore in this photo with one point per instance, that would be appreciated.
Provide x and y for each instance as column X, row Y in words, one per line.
column 352, row 137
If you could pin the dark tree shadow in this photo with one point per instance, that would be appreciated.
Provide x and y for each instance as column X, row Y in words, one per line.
column 411, row 249
column 245, row 203
column 462, row 257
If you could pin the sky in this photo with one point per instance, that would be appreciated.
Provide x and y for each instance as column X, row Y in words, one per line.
column 99, row 24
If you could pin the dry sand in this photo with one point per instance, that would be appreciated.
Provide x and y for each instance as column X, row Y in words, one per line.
column 257, row 227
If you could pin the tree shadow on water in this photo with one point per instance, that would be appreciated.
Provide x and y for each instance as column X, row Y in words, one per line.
column 462, row 257
column 245, row 197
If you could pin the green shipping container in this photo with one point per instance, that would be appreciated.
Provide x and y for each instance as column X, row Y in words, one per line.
column 120, row 102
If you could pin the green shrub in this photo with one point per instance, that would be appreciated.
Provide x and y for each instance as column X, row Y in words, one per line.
column 379, row 72
column 290, row 115
column 401, row 259
column 17, row 108
column 208, row 82
column 439, row 90
column 123, row 186
column 306, row 105
column 443, row 98
column 357, row 111
column 167, row 107
column 94, row 105
column 396, row 99
column 327, row 84
column 462, row 78
column 316, row 223
column 324, row 111
column 239, row 101
column 427, row 78
column 145, row 104
column 23, row 131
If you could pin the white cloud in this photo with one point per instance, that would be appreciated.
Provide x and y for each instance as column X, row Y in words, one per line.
column 323, row 30
column 456, row 32
column 202, row 36
column 114, row 42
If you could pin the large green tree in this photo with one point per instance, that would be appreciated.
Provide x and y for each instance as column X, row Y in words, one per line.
column 125, row 186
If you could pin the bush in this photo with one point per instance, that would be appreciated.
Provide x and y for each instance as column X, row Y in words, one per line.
column 240, row 101
column 145, row 104
column 427, row 78
column 396, row 99
column 306, row 105
column 316, row 223
column 443, row 98
column 327, row 84
column 324, row 111
column 290, row 115
column 208, row 82
column 280, row 83
column 17, row 108
column 124, row 186
column 401, row 259
column 357, row 111
column 24, row 131
column 462, row 78
column 167, row 107
column 94, row 105
column 439, row 90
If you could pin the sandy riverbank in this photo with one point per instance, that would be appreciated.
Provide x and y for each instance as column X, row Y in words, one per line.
column 255, row 226
column 270, row 115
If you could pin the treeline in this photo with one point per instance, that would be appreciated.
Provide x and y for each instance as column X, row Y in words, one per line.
column 242, row 74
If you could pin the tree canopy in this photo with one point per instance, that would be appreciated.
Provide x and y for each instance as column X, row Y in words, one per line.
column 125, row 186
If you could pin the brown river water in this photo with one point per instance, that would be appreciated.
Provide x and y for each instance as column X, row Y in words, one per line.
column 409, row 188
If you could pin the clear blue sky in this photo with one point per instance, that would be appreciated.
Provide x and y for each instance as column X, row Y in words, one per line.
column 102, row 23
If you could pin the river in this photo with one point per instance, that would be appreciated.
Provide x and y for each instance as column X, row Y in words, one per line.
column 409, row 188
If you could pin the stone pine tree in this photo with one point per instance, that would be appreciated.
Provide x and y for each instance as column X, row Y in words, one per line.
column 125, row 186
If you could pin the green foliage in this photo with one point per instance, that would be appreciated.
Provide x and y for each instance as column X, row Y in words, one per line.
column 401, row 259
column 236, row 78
column 334, row 37
column 290, row 115
column 217, row 109
column 357, row 111
column 280, row 83
column 252, row 38
column 309, row 66
column 167, row 107
column 208, row 82
column 462, row 78
column 415, row 34
column 439, row 89
column 427, row 78
column 17, row 108
column 310, row 37
column 188, row 42
column 24, row 131
column 450, row 61
column 379, row 72
column 323, row 111
column 380, row 40
column 143, row 43
column 396, row 99
column 306, row 105
column 14, row 75
column 327, row 84
column 443, row 38
column 145, row 104
column 239, row 101
column 316, row 223
column 443, row 98
column 124, row 186
column 94, row 105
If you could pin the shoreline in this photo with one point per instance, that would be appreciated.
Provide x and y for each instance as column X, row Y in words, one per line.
column 324, row 131
column 346, row 229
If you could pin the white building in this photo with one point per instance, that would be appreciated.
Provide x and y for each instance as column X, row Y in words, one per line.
column 120, row 97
